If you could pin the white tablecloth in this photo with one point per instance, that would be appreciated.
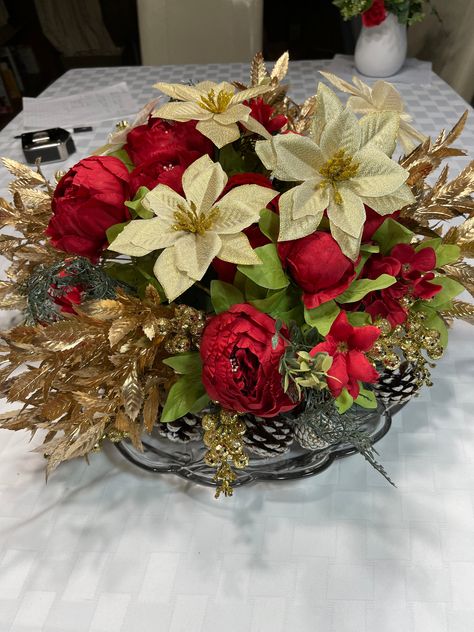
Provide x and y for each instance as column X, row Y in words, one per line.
column 107, row 548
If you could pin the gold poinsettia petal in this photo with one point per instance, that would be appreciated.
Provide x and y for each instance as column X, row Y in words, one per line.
column 194, row 253
column 219, row 134
column 348, row 215
column 236, row 248
column 290, row 157
column 380, row 129
column 203, row 182
column 173, row 281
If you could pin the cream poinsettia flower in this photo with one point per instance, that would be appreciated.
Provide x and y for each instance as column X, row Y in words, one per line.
column 343, row 166
column 382, row 97
column 216, row 106
column 194, row 229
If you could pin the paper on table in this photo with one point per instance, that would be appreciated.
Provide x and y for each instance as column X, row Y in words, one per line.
column 98, row 105
column 413, row 71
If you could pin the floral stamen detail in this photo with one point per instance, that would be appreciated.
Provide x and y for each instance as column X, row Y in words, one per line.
column 338, row 168
column 216, row 104
column 190, row 221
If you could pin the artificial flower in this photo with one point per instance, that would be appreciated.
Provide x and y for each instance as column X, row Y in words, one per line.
column 375, row 15
column 317, row 266
column 216, row 106
column 158, row 135
column 225, row 270
column 240, row 365
column 347, row 346
column 381, row 97
column 164, row 167
column 194, row 229
column 88, row 200
column 413, row 271
column 346, row 168
column 265, row 114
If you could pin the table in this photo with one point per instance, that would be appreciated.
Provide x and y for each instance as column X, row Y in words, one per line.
column 107, row 548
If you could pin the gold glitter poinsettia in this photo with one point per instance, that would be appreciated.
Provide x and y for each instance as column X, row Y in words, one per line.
column 216, row 106
column 194, row 229
column 382, row 97
column 341, row 166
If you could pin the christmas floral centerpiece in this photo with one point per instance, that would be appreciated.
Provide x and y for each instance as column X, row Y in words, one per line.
column 237, row 272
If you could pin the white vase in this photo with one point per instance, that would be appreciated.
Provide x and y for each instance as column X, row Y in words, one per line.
column 381, row 50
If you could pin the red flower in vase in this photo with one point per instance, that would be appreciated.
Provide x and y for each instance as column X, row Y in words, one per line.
column 375, row 15
column 347, row 346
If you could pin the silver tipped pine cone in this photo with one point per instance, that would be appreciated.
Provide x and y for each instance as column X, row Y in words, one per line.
column 182, row 430
column 399, row 385
column 268, row 437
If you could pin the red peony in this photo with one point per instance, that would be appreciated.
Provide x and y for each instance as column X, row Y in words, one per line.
column 413, row 271
column 375, row 15
column 224, row 269
column 145, row 141
column 88, row 200
column 164, row 167
column 265, row 115
column 316, row 263
column 347, row 346
column 240, row 365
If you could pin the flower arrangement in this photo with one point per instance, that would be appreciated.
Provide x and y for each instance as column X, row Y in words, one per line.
column 238, row 259
column 374, row 12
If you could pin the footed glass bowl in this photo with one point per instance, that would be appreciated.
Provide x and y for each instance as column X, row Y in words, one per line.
column 186, row 460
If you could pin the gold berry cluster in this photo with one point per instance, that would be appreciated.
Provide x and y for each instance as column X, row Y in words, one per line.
column 223, row 433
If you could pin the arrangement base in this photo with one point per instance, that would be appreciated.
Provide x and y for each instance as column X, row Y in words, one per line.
column 186, row 460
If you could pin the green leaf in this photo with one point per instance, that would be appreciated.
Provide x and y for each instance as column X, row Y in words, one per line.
column 188, row 363
column 269, row 273
column 344, row 401
column 224, row 295
column 277, row 302
column 136, row 205
column 445, row 253
column 269, row 224
column 391, row 233
column 114, row 231
column 322, row 317
column 122, row 155
column 370, row 248
column 183, row 396
column 359, row 319
column 451, row 288
column 433, row 321
column 359, row 288
column 366, row 398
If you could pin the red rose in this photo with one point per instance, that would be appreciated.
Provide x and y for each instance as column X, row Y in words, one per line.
column 375, row 15
column 224, row 269
column 373, row 221
column 413, row 273
column 164, row 167
column 88, row 200
column 240, row 365
column 144, row 141
column 347, row 346
column 316, row 263
column 265, row 115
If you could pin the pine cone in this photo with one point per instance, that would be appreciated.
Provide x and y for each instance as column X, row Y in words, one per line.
column 268, row 437
column 398, row 386
column 182, row 430
column 307, row 437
